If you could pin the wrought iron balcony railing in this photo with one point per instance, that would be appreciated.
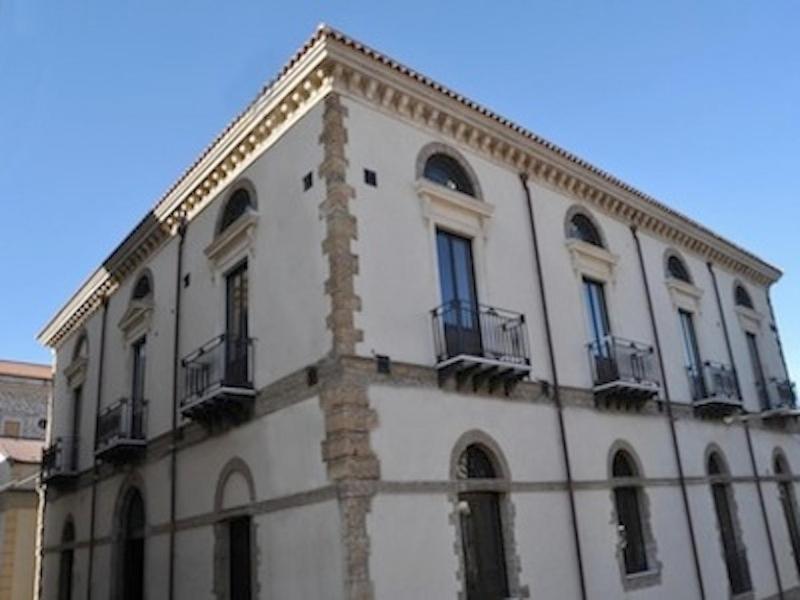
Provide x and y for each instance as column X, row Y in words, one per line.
column 121, row 428
column 466, row 329
column 222, row 368
column 713, row 381
column 623, row 369
column 779, row 394
column 60, row 460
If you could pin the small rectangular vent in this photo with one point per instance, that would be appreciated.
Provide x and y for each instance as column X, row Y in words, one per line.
column 370, row 177
column 187, row 279
column 312, row 376
column 383, row 363
column 308, row 181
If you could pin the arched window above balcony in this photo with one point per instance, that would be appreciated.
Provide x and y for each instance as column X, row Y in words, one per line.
column 447, row 171
column 742, row 297
column 238, row 204
column 677, row 269
column 581, row 227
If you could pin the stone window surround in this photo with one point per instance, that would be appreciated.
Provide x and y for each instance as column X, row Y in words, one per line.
column 588, row 260
column 136, row 320
column 685, row 295
column 236, row 242
column 507, row 510
column 651, row 577
column 223, row 516
column 726, row 478
column 786, row 477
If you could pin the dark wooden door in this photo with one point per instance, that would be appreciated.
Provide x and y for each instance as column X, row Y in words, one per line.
column 239, row 573
column 236, row 335
column 484, row 553
column 735, row 561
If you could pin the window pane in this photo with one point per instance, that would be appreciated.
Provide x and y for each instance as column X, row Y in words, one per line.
column 240, row 558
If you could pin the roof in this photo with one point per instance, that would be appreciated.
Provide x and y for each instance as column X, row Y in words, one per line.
column 25, row 370
column 21, row 450
column 296, row 82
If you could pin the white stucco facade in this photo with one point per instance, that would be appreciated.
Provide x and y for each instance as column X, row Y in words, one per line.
column 346, row 466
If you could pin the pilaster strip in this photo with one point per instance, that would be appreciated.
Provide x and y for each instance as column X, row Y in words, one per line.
column 346, row 449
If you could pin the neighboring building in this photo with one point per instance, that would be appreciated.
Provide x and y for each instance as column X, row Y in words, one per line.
column 292, row 380
column 24, row 394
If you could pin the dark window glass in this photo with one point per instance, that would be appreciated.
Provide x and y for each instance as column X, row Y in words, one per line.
column 137, row 388
column 582, row 228
column 133, row 529
column 446, row 171
column 238, row 204
column 481, row 531
column 81, row 348
column 66, row 562
column 236, row 335
column 240, row 559
column 629, row 518
column 459, row 298
column 370, row 177
column 142, row 288
column 77, row 414
column 677, row 269
column 691, row 352
column 743, row 297
column 758, row 370
column 596, row 315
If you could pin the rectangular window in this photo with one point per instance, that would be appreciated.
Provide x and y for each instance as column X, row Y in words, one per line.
column 236, row 334
column 137, row 388
column 11, row 428
column 77, row 410
column 596, row 315
column 240, row 559
column 758, row 371
column 691, row 352
column 459, row 297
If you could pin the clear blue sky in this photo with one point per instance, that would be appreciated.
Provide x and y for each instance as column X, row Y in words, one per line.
column 103, row 104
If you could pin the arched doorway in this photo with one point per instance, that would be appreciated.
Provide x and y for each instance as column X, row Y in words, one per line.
column 481, row 529
column 733, row 550
column 789, row 503
column 132, row 547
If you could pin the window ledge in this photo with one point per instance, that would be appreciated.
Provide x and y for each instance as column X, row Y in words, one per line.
column 684, row 295
column 591, row 260
column 237, row 238
column 442, row 204
column 750, row 319
column 136, row 320
column 636, row 581
column 76, row 372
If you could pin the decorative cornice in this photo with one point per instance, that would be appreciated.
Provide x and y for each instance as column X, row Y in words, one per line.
column 332, row 60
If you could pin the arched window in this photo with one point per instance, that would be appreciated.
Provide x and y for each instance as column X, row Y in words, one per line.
column 580, row 227
column 236, row 206
column 627, row 500
column 788, row 500
column 446, row 170
column 676, row 269
column 132, row 546
column 143, row 288
column 481, row 529
column 732, row 547
column 66, row 561
column 742, row 297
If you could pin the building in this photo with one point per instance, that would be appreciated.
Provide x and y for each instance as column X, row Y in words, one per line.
column 293, row 378
column 24, row 394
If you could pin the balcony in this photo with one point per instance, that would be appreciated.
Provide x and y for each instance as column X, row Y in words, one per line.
column 480, row 345
column 59, row 461
column 778, row 400
column 714, row 390
column 217, row 381
column 623, row 372
column 121, row 431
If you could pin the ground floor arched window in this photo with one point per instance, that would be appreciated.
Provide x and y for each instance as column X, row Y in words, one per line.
column 789, row 504
column 627, row 500
column 481, row 529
